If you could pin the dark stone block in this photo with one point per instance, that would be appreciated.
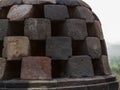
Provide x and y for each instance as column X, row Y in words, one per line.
column 56, row 12
column 101, row 66
column 57, row 28
column 37, row 29
column 4, row 27
column 105, row 65
column 68, row 2
column 79, row 47
column 98, row 69
column 113, row 86
column 38, row 11
column 59, row 68
column 94, row 47
column 104, row 47
column 95, row 30
column 80, row 66
column 75, row 28
column 36, row 68
column 103, row 86
column 16, row 28
column 37, row 48
column 1, row 48
column 83, row 13
column 6, row 3
column 59, row 48
column 3, row 12
column 12, row 70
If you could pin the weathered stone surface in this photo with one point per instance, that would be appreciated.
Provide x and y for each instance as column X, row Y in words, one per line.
column 2, row 67
column 113, row 86
column 105, row 65
column 80, row 66
column 4, row 27
column 83, row 13
column 39, row 1
column 104, row 47
column 73, row 3
column 93, row 47
column 98, row 28
column 36, row 68
column 59, row 47
column 15, row 47
column 19, row 12
column 37, row 29
column 5, row 3
column 68, row 2
column 95, row 29
column 98, row 87
column 75, row 28
column 56, row 12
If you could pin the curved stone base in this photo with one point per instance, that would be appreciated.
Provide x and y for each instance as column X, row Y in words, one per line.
column 97, row 83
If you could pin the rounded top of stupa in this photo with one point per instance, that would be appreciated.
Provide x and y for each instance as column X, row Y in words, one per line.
column 41, row 32
column 18, row 10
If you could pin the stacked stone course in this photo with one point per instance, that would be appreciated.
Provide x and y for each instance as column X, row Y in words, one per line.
column 52, row 45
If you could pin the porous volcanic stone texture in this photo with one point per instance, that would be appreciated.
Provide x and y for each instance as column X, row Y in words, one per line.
column 36, row 68
column 53, row 39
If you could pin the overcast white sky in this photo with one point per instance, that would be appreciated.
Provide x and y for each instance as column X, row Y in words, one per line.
column 109, row 14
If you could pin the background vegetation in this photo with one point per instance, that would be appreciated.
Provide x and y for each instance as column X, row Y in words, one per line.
column 115, row 66
column 114, row 59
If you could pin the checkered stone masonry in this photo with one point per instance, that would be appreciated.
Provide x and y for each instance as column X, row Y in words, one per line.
column 49, row 39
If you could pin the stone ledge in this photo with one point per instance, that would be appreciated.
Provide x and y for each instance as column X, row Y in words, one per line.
column 65, row 82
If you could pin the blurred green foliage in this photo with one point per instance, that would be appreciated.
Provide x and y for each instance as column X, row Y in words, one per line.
column 115, row 66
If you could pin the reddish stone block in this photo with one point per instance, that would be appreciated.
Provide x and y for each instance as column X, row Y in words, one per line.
column 36, row 68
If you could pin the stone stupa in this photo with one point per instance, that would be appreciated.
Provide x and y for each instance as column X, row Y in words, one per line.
column 52, row 45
